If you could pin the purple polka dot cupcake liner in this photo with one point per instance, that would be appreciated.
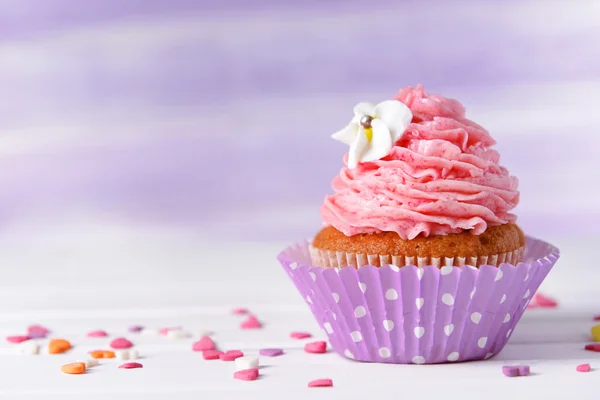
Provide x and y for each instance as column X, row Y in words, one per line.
column 419, row 315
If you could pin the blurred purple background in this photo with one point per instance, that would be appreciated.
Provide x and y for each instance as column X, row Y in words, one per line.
column 216, row 115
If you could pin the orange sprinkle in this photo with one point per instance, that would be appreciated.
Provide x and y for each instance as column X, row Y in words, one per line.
column 102, row 354
column 57, row 346
column 75, row 368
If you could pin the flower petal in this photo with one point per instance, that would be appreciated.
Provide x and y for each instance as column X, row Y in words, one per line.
column 357, row 148
column 362, row 109
column 346, row 135
column 381, row 144
column 396, row 116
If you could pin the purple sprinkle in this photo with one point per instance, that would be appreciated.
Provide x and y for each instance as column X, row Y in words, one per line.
column 135, row 328
column 518, row 370
column 37, row 334
column 523, row 370
column 271, row 352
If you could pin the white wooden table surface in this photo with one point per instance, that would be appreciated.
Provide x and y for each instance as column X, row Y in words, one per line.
column 75, row 279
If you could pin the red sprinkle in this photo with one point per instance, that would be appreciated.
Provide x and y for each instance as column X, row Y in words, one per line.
column 597, row 318
column 211, row 354
column 583, row 368
column 97, row 334
column 251, row 323
column 131, row 365
column 240, row 311
column 320, row 383
column 205, row 343
column 246, row 374
column 593, row 347
column 231, row 355
column 17, row 339
column 318, row 347
column 544, row 301
column 300, row 335
column 121, row 343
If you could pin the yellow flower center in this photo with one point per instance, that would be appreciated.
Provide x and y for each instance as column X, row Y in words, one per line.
column 369, row 133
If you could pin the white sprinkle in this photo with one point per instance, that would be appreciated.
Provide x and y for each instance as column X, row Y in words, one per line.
column 122, row 354
column 151, row 331
column 29, row 347
column 246, row 362
column 92, row 362
column 177, row 334
column 133, row 354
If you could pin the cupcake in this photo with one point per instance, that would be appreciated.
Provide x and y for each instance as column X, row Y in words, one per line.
column 419, row 259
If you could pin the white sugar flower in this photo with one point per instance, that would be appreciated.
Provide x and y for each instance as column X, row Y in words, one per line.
column 374, row 130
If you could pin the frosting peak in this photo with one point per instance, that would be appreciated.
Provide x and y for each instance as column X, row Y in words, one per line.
column 439, row 177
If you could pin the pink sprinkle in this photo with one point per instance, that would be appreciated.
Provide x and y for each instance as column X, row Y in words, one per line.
column 318, row 347
column 300, row 335
column 37, row 331
column 135, row 328
column 211, row 354
column 251, row 323
column 97, row 334
column 239, row 311
column 583, row 368
column 231, row 355
column 17, row 339
column 165, row 331
column 544, row 301
column 593, row 347
column 597, row 318
column 205, row 343
column 320, row 383
column 131, row 365
column 516, row 370
column 121, row 343
column 246, row 374
column 271, row 352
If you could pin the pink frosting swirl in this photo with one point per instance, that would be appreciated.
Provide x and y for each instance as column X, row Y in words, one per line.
column 441, row 177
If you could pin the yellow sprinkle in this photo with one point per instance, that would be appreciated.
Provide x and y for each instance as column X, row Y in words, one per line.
column 596, row 333
column 369, row 133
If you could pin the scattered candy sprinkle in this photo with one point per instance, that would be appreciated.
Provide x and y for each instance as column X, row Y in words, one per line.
column 17, row 339
column 133, row 354
column 150, row 331
column 596, row 333
column 211, row 354
column 205, row 343
column 102, row 354
column 246, row 362
column 131, row 365
column 92, row 362
column 57, row 346
column 98, row 333
column 75, row 368
column 270, row 352
column 37, row 331
column 300, row 335
column 518, row 370
column 231, row 355
column 165, row 331
column 122, row 354
column 583, row 368
column 247, row 374
column 29, row 347
column 593, row 347
column 251, row 323
column 318, row 347
column 320, row 383
column 544, row 301
column 597, row 318
column 135, row 328
column 239, row 311
column 177, row 334
column 121, row 343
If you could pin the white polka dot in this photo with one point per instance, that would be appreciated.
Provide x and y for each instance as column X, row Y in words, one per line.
column 384, row 352
column 391, row 294
column 482, row 342
column 448, row 329
column 453, row 356
column 503, row 299
column 420, row 272
column 356, row 336
column 418, row 360
column 336, row 297
column 294, row 265
column 334, row 316
column 489, row 355
column 308, row 300
column 328, row 327
column 419, row 332
column 388, row 324
column 476, row 317
column 506, row 318
column 446, row 270
column 419, row 302
column 447, row 299
column 527, row 293
column 313, row 276
column 360, row 312
column 473, row 292
column 394, row 268
column 508, row 333
column 362, row 286
column 499, row 275
column 348, row 354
